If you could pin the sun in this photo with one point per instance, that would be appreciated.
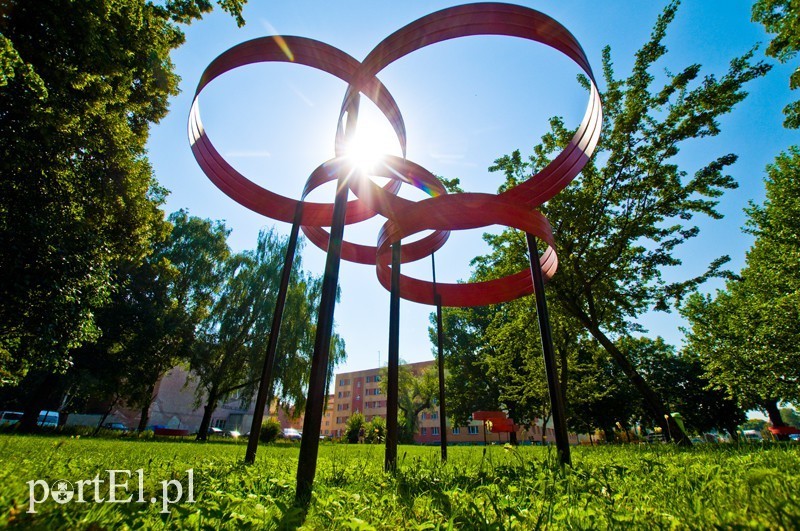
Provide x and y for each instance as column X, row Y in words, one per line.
column 373, row 140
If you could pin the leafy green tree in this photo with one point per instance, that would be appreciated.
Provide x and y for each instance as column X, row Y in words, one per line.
column 80, row 84
column 790, row 416
column 416, row 393
column 600, row 395
column 747, row 335
column 229, row 353
column 782, row 17
column 621, row 221
column 469, row 386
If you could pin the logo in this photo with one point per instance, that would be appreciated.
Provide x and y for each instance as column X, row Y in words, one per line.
column 62, row 491
column 114, row 489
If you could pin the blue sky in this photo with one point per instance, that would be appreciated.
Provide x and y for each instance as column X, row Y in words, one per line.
column 465, row 103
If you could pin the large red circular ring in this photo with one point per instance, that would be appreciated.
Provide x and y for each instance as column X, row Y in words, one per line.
column 297, row 50
column 461, row 211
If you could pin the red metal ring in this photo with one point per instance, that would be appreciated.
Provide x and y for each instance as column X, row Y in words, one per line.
column 297, row 50
column 398, row 170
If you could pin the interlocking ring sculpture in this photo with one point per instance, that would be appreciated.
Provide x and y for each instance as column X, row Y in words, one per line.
column 442, row 212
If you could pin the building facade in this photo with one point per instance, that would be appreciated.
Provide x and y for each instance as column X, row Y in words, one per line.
column 174, row 406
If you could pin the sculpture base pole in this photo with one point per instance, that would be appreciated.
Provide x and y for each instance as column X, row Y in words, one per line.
column 392, row 381
column 315, row 404
column 553, row 386
column 440, row 363
column 265, row 385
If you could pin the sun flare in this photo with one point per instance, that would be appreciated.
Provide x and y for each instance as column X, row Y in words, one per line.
column 374, row 139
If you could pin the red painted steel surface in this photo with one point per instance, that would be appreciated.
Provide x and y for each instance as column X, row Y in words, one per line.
column 442, row 212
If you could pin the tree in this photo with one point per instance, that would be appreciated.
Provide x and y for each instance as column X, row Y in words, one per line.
column 790, row 416
column 229, row 354
column 621, row 220
column 782, row 17
column 747, row 335
column 80, row 84
column 416, row 392
column 469, row 385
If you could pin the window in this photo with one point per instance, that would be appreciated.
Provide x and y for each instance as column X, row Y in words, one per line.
column 341, row 382
column 219, row 423
column 340, row 394
column 473, row 430
column 434, row 431
column 456, row 431
column 434, row 415
column 347, row 394
column 422, row 415
column 424, row 431
column 377, row 378
column 343, row 407
column 358, row 397
column 358, row 384
column 368, row 379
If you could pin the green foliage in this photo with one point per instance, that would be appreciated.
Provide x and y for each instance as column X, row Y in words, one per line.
column 782, row 17
column 790, row 416
column 270, row 430
column 417, row 392
column 80, row 84
column 621, row 221
column 747, row 335
column 654, row 486
column 375, row 430
column 355, row 429
column 229, row 354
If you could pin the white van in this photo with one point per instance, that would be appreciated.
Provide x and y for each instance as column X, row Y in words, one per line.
column 752, row 435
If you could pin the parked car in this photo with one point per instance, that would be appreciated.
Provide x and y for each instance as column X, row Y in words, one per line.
column 116, row 426
column 214, row 431
column 9, row 418
column 233, row 434
column 48, row 419
column 292, row 434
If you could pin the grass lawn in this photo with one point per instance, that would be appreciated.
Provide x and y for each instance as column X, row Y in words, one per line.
column 652, row 486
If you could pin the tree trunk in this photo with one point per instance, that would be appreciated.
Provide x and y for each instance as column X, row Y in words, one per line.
column 144, row 417
column 668, row 426
column 105, row 416
column 208, row 410
column 775, row 418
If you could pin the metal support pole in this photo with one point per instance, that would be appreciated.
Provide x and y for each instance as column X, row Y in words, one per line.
column 390, row 461
column 440, row 359
column 315, row 403
column 265, row 386
column 553, row 386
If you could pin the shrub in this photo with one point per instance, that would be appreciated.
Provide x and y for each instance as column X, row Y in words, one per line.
column 270, row 429
column 355, row 424
column 375, row 430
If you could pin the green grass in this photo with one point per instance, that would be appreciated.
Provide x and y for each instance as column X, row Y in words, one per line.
column 654, row 487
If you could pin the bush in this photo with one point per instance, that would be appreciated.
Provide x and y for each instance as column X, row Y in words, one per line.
column 270, row 429
column 375, row 430
column 355, row 426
